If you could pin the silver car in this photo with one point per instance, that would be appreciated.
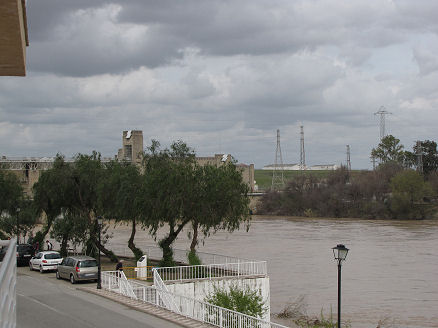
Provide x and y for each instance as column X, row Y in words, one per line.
column 76, row 268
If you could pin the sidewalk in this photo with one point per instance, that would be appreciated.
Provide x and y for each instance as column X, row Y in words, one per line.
column 146, row 307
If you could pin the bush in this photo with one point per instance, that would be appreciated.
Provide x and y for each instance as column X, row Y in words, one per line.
column 193, row 258
column 245, row 300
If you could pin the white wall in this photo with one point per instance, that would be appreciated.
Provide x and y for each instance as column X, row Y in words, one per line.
column 199, row 289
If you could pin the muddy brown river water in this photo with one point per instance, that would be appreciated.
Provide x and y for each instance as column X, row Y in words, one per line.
column 391, row 272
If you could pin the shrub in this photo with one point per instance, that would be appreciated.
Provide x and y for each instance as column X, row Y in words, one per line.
column 244, row 300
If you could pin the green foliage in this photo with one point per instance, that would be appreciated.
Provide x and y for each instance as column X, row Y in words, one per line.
column 11, row 192
column 409, row 191
column 193, row 258
column 388, row 192
column 243, row 300
column 177, row 192
column 389, row 150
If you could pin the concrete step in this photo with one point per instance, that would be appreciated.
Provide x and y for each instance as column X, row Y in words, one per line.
column 147, row 308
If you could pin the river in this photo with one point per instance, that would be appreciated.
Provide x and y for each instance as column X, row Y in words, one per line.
column 390, row 274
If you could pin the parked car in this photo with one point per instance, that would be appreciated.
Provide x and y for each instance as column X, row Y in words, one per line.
column 45, row 261
column 77, row 268
column 24, row 254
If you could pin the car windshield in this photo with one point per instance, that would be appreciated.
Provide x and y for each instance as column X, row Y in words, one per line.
column 52, row 256
column 87, row 263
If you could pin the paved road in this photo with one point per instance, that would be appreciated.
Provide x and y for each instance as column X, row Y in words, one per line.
column 43, row 301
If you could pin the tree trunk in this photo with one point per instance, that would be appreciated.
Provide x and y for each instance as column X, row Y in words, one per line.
column 195, row 238
column 167, row 242
column 64, row 243
column 137, row 251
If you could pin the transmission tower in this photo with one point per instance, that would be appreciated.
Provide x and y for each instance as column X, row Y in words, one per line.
column 302, row 151
column 348, row 158
column 373, row 160
column 277, row 173
column 382, row 112
column 419, row 157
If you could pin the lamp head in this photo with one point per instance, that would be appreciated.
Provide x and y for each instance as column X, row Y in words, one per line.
column 340, row 252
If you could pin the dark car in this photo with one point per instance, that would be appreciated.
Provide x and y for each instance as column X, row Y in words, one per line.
column 24, row 254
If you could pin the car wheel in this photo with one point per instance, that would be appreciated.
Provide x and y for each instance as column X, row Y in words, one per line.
column 30, row 266
column 41, row 269
column 57, row 275
column 72, row 279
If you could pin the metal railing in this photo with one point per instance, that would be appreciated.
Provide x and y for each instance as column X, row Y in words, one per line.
column 195, row 272
column 116, row 281
column 164, row 294
column 8, row 280
column 187, row 306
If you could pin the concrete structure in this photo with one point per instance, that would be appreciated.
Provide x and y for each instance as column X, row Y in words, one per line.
column 323, row 167
column 132, row 147
column 285, row 167
column 13, row 37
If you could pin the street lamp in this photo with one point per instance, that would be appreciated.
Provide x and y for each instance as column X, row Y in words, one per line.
column 340, row 253
column 99, row 281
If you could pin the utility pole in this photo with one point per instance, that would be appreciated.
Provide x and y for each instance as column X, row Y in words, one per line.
column 419, row 157
column 382, row 112
column 277, row 174
column 302, row 151
column 348, row 158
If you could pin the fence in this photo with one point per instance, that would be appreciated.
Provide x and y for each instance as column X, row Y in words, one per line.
column 240, row 269
column 201, row 311
column 8, row 298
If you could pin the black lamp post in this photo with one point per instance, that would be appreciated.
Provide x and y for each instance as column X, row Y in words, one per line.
column 340, row 253
column 99, row 280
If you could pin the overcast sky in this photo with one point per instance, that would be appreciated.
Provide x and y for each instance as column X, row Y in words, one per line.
column 223, row 76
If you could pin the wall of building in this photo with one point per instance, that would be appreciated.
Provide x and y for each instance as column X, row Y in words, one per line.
column 200, row 289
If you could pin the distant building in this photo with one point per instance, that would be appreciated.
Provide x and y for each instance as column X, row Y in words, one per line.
column 323, row 167
column 132, row 147
column 286, row 167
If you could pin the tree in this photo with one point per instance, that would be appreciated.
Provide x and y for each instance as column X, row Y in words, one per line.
column 121, row 197
column 169, row 182
column 429, row 152
column 178, row 192
column 52, row 193
column 219, row 201
column 389, row 149
column 17, row 215
column 408, row 192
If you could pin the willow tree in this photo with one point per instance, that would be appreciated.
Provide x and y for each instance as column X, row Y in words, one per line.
column 179, row 193
column 220, row 203
column 121, row 197
column 52, row 193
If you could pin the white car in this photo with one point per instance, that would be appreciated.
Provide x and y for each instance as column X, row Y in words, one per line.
column 45, row 261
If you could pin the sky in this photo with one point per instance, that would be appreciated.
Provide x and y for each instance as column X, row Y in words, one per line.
column 223, row 76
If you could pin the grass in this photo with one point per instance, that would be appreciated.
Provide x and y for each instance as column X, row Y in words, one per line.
column 263, row 178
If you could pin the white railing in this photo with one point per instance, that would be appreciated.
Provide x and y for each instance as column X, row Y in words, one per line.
column 163, row 293
column 116, row 281
column 8, row 298
column 195, row 272
column 190, row 307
